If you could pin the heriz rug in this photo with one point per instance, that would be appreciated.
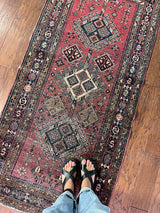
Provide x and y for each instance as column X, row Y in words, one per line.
column 75, row 95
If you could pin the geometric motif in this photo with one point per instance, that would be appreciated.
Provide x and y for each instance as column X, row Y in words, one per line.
column 54, row 105
column 62, row 138
column 72, row 53
column 96, row 30
column 109, row 77
column 88, row 116
column 104, row 62
column 80, row 84
column 59, row 62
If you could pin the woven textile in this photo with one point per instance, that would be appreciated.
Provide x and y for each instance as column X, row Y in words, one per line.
column 75, row 95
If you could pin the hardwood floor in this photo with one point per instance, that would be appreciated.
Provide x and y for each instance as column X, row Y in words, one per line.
column 138, row 186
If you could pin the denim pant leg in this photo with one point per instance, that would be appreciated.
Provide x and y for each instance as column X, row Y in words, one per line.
column 63, row 204
column 88, row 202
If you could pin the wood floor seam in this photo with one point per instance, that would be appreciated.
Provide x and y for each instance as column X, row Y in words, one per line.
column 134, row 207
column 4, row 66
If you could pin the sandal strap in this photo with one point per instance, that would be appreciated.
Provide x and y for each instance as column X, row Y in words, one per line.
column 69, row 175
column 87, row 174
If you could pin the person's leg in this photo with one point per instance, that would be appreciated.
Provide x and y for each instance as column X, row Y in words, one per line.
column 87, row 200
column 65, row 203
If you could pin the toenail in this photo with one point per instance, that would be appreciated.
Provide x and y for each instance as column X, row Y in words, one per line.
column 83, row 161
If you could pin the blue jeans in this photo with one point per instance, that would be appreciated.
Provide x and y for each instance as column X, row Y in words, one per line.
column 86, row 202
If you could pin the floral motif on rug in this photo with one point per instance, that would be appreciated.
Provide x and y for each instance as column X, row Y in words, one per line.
column 75, row 95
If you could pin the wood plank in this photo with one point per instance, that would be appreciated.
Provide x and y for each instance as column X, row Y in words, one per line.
column 145, row 181
column 124, row 189
column 147, row 131
column 153, row 139
column 7, row 15
column 136, row 210
column 11, row 2
column 155, row 201
column 153, row 73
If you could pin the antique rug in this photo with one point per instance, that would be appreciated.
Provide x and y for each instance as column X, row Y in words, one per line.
column 75, row 95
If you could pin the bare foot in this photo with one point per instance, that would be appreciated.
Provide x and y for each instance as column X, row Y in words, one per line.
column 69, row 184
column 90, row 167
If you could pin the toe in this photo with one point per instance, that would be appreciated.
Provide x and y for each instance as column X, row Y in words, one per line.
column 70, row 163
column 83, row 161
column 73, row 163
column 88, row 162
column 89, row 165
column 66, row 166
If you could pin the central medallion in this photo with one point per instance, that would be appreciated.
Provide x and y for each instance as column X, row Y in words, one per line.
column 96, row 30
column 80, row 84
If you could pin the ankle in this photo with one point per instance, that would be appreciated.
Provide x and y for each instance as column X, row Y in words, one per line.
column 86, row 183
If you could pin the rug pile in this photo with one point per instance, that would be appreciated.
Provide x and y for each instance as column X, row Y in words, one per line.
column 75, row 95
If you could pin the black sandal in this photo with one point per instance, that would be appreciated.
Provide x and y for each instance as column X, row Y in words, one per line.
column 87, row 174
column 69, row 175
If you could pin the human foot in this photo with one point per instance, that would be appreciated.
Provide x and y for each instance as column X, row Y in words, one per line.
column 68, row 176
column 87, row 173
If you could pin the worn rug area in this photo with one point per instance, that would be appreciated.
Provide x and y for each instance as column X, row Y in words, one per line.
column 75, row 95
